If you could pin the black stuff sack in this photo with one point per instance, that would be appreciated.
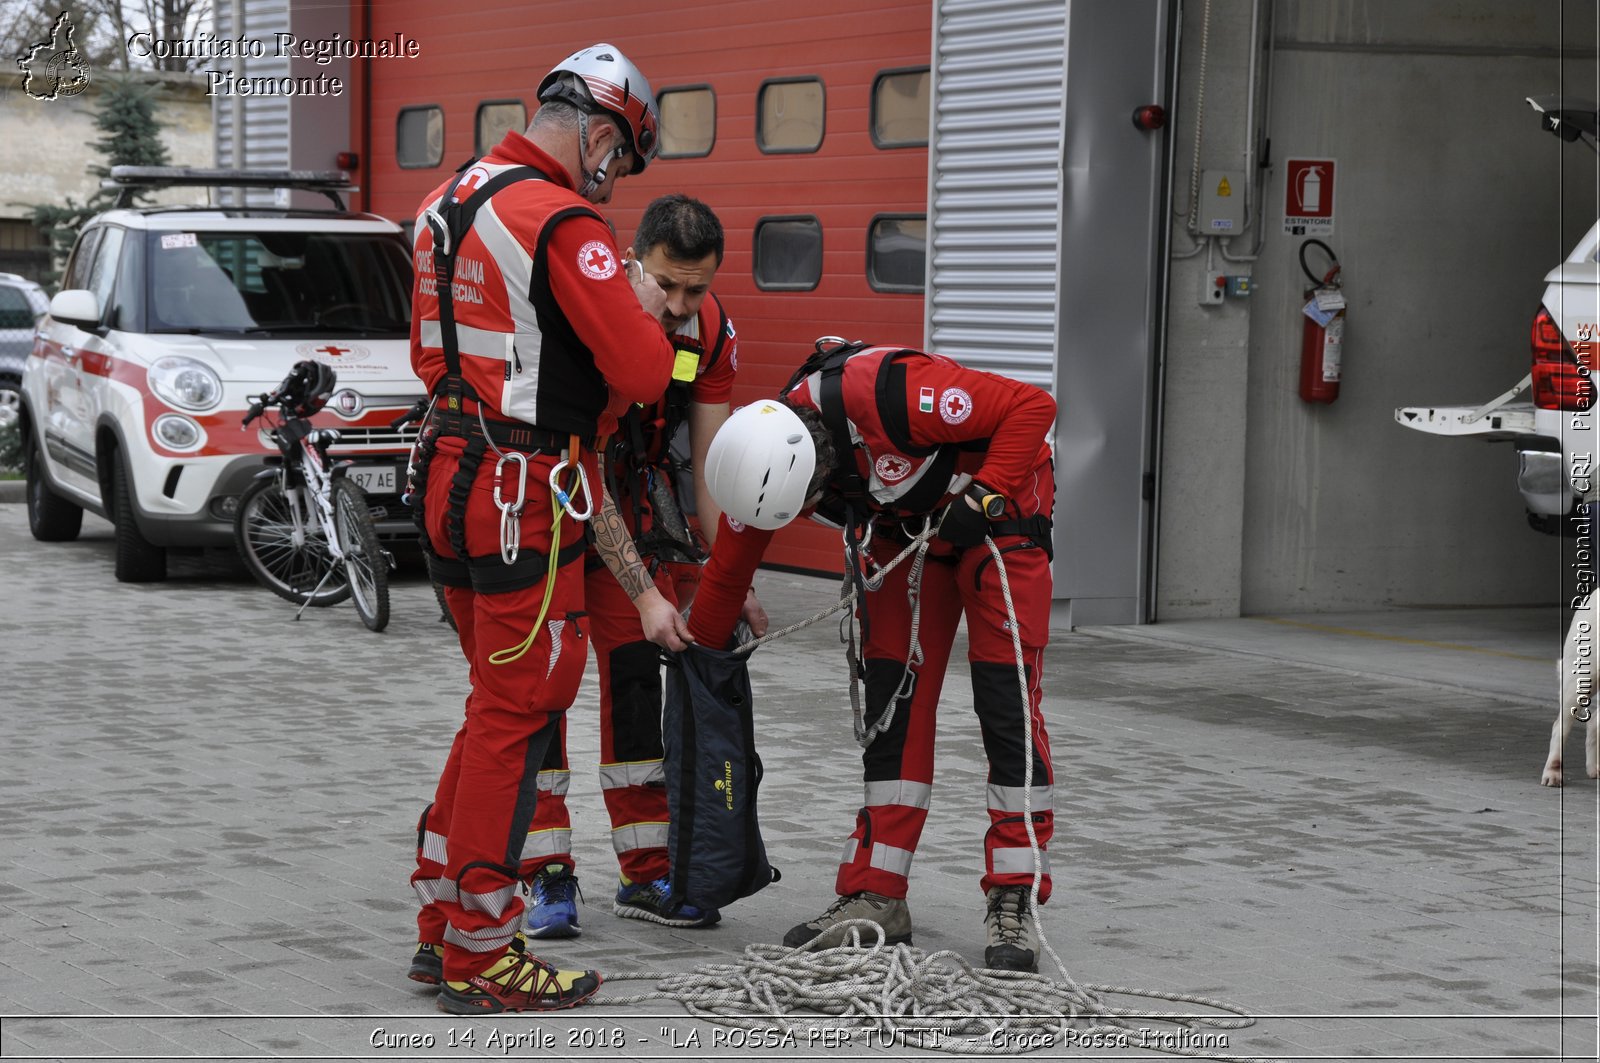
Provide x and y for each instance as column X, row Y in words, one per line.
column 713, row 772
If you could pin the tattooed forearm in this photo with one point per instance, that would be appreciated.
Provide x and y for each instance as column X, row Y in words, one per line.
column 616, row 548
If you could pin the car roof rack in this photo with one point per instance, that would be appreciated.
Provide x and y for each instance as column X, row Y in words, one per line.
column 130, row 180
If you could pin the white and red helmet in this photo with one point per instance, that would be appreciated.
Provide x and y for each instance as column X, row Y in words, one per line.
column 610, row 83
column 760, row 463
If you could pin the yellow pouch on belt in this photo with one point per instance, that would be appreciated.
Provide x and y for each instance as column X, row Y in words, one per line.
column 685, row 365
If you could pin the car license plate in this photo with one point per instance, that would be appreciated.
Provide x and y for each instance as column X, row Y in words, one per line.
column 375, row 479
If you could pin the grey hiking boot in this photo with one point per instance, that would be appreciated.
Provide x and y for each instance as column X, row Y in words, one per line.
column 1013, row 937
column 890, row 913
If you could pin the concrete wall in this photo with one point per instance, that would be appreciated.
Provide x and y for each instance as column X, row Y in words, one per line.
column 1201, row 462
column 1451, row 206
column 50, row 143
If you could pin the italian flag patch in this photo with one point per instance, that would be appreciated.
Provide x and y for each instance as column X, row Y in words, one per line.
column 925, row 400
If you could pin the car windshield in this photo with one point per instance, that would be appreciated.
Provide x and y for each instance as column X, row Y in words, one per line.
column 279, row 282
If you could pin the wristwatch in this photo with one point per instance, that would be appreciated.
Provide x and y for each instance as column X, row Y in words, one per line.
column 990, row 504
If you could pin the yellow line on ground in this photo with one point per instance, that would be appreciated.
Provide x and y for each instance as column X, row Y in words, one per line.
column 1396, row 638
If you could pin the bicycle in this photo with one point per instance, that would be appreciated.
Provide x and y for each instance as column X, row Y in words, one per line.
column 304, row 530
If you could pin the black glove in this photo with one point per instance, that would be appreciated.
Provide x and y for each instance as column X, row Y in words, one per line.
column 962, row 525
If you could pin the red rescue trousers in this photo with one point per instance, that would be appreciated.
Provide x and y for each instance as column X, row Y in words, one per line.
column 631, row 778
column 898, row 765
column 490, row 825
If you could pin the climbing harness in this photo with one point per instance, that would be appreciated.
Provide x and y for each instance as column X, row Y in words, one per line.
column 642, row 470
column 513, row 443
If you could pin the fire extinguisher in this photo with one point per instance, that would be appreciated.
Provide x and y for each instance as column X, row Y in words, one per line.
column 1322, row 339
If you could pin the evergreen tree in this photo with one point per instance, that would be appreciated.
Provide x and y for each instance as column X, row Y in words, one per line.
column 131, row 137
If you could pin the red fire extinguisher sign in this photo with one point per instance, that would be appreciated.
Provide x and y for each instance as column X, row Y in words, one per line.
column 1308, row 197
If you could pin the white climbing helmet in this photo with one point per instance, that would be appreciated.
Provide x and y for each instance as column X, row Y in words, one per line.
column 600, row 78
column 760, row 465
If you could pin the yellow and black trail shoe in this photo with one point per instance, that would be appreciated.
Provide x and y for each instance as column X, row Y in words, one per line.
column 518, row 981
column 427, row 965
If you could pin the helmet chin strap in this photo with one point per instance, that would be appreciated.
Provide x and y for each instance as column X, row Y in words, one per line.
column 592, row 180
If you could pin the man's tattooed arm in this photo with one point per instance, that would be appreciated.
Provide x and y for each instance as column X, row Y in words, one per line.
column 616, row 548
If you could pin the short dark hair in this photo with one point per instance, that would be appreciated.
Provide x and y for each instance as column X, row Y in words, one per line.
column 822, row 440
column 685, row 228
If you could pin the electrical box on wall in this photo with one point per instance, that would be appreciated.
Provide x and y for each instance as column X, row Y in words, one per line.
column 1222, row 202
column 1216, row 288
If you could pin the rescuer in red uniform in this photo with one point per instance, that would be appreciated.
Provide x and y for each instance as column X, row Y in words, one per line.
column 679, row 242
column 892, row 436
column 529, row 338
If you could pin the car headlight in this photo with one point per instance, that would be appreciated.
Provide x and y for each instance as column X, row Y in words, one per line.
column 185, row 383
column 177, row 432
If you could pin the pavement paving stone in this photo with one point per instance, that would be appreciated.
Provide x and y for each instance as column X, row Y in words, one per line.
column 211, row 811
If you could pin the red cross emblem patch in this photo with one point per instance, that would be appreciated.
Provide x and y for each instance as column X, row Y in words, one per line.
column 955, row 405
column 596, row 261
column 892, row 468
column 469, row 184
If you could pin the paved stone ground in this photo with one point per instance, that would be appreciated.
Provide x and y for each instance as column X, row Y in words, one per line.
column 209, row 816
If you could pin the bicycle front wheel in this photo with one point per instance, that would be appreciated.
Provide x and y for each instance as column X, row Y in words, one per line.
column 366, row 565
column 263, row 530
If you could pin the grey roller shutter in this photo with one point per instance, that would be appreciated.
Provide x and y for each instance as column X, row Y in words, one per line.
column 265, row 118
column 994, row 195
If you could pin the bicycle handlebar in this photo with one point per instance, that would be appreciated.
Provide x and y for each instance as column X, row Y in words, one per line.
column 259, row 404
column 415, row 413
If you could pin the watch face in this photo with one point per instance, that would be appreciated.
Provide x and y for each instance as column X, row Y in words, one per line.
column 995, row 507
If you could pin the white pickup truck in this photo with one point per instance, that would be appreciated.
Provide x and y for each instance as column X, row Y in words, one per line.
column 1554, row 428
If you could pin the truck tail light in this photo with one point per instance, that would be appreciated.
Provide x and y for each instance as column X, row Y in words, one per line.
column 1561, row 378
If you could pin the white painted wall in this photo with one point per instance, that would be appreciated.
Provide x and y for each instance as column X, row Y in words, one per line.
column 1452, row 205
column 50, row 143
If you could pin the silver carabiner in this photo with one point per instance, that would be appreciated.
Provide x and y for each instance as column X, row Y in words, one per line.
column 582, row 488
column 441, row 232
column 511, row 512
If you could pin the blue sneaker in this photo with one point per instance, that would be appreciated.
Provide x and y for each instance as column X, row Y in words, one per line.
column 648, row 900
column 554, row 912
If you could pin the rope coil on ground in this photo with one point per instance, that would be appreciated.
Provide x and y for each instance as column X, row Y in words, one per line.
column 901, row 996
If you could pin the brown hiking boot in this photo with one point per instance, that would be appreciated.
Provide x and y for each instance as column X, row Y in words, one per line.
column 890, row 913
column 1013, row 937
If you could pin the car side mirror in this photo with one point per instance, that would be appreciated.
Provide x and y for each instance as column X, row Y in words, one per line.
column 76, row 306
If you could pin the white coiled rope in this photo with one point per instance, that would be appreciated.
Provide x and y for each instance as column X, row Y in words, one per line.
column 901, row 996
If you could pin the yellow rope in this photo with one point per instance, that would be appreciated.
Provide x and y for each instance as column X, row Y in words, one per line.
column 515, row 653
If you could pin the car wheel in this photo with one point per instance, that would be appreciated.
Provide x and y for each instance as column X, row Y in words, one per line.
column 10, row 400
column 51, row 518
column 138, row 560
